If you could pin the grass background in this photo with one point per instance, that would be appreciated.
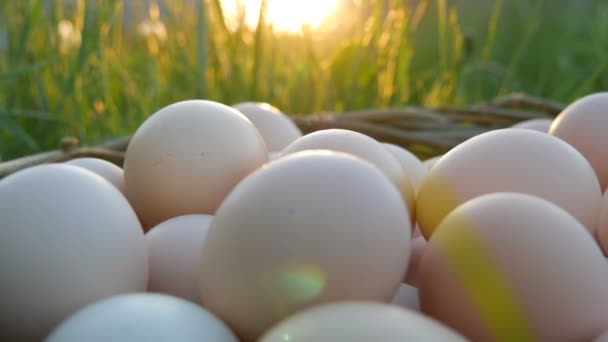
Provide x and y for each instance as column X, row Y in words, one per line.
column 373, row 55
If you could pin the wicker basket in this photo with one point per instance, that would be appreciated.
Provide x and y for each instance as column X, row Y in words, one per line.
column 424, row 131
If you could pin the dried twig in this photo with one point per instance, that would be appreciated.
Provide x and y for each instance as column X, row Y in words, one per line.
column 425, row 131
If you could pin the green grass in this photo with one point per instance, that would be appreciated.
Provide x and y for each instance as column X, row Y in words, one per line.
column 440, row 52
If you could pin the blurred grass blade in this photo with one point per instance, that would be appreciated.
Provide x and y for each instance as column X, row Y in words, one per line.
column 201, row 38
column 24, row 70
column 17, row 132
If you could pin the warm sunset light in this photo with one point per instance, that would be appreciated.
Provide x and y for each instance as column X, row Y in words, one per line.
column 285, row 15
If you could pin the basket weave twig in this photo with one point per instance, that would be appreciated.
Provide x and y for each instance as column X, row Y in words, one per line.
column 425, row 131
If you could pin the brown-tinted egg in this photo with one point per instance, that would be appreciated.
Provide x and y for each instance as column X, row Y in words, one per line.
column 359, row 322
column 309, row 228
column 602, row 229
column 186, row 157
column 584, row 125
column 513, row 160
column 515, row 267
column 418, row 246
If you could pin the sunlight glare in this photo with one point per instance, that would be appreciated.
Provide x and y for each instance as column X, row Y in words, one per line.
column 284, row 15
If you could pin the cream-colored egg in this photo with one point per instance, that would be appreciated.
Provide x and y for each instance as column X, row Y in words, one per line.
column 310, row 228
column 364, row 147
column 273, row 155
column 431, row 161
column 359, row 322
column 407, row 298
column 602, row 229
column 187, row 157
column 584, row 125
column 513, row 160
column 111, row 172
column 418, row 246
column 174, row 250
column 515, row 267
column 410, row 163
column 277, row 128
column 67, row 238
column 540, row 124
column 146, row 317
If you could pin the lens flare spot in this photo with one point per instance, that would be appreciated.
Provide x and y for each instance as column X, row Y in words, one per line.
column 301, row 283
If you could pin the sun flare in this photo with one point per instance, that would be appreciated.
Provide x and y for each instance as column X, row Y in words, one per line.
column 284, row 15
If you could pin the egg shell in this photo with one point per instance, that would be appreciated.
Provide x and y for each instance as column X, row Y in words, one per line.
column 185, row 158
column 67, row 238
column 293, row 234
column 277, row 129
column 147, row 317
column 417, row 247
column 111, row 172
column 359, row 322
column 601, row 338
column 431, row 161
column 413, row 167
column 407, row 298
column 364, row 147
column 584, row 125
column 539, row 124
column 515, row 267
column 174, row 250
column 510, row 160
column 602, row 230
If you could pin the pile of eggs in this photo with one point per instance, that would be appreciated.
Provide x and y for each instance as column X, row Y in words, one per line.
column 228, row 224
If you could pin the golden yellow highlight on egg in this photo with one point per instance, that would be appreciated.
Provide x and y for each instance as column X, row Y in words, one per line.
column 486, row 286
column 514, row 267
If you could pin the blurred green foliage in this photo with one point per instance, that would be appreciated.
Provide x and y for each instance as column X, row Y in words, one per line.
column 99, row 78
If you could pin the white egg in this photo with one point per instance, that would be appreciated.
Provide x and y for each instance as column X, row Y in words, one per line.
column 67, row 238
column 413, row 167
column 277, row 128
column 146, row 317
column 111, row 172
column 407, row 297
column 174, row 250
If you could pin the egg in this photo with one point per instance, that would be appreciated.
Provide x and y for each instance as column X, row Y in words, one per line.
column 407, row 297
column 359, row 321
column 67, row 238
column 185, row 158
column 602, row 338
column 364, row 147
column 273, row 155
column 417, row 247
column 510, row 160
column 431, row 161
column 410, row 163
column 111, row 172
column 277, row 129
column 309, row 228
column 174, row 250
column 583, row 124
column 147, row 317
column 602, row 230
column 515, row 267
column 539, row 124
